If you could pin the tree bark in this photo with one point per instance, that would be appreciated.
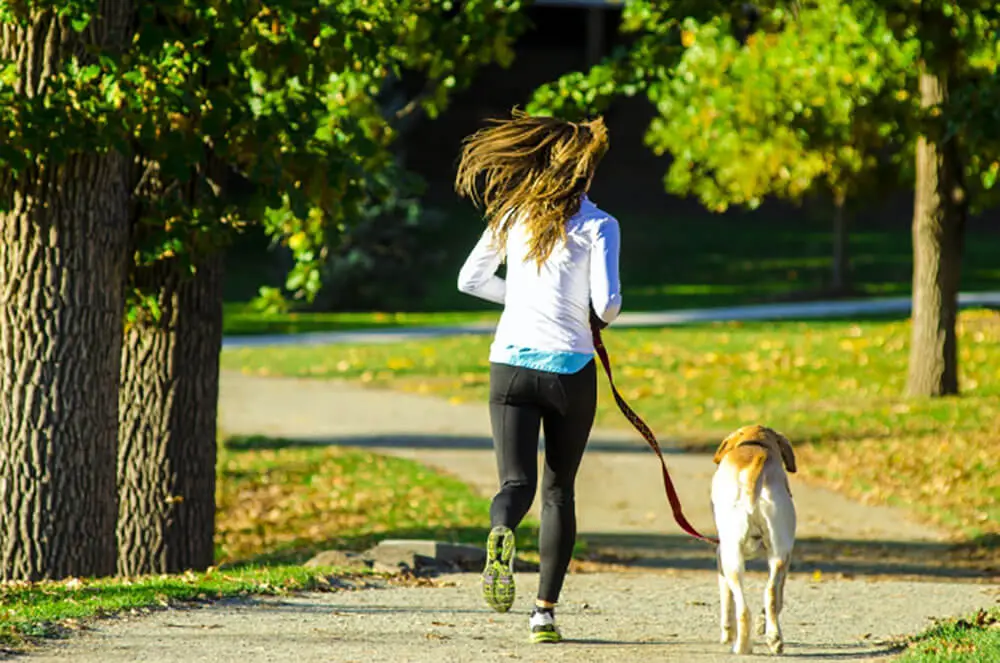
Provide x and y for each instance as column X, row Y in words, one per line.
column 167, row 430
column 841, row 274
column 595, row 35
column 940, row 210
column 63, row 240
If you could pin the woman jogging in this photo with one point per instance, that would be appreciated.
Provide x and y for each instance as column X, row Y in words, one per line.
column 531, row 176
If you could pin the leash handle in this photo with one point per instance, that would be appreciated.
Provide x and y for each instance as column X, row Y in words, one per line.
column 647, row 434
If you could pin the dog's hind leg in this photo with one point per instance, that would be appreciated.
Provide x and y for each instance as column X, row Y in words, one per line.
column 774, row 595
column 731, row 562
column 726, row 608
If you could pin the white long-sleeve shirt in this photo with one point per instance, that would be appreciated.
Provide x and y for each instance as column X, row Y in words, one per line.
column 548, row 309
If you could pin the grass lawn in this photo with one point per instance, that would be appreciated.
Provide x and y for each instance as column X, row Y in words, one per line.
column 833, row 386
column 673, row 263
column 277, row 505
column 280, row 503
column 49, row 609
column 973, row 639
column 242, row 320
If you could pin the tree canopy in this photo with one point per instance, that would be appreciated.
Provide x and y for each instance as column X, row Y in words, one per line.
column 782, row 98
column 198, row 118
column 764, row 100
column 280, row 97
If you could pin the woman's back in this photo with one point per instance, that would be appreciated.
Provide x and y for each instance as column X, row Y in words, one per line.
column 547, row 306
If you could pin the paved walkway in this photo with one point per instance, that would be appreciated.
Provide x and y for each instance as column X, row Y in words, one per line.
column 607, row 617
column 619, row 489
column 795, row 311
column 862, row 575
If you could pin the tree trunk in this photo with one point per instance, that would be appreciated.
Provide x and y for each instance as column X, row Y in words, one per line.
column 63, row 240
column 939, row 213
column 595, row 35
column 167, row 430
column 841, row 256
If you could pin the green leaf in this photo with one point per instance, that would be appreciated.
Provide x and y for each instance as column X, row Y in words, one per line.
column 80, row 21
column 990, row 175
column 287, row 96
column 89, row 73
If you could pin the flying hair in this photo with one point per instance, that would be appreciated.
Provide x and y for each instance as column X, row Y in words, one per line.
column 532, row 169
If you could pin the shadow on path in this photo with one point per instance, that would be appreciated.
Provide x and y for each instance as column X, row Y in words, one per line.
column 845, row 652
column 841, row 553
column 437, row 442
column 817, row 557
column 824, row 556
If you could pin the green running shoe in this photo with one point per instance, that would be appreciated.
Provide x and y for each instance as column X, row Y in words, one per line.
column 543, row 626
column 498, row 576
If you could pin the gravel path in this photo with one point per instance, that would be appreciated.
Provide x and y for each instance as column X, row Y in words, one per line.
column 605, row 617
column 862, row 575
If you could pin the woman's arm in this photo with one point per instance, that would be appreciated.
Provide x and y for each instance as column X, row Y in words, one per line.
column 605, row 285
column 478, row 275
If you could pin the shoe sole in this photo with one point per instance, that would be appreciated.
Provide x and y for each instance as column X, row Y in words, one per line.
column 498, row 579
column 546, row 636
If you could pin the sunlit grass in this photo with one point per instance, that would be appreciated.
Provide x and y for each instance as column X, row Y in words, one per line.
column 834, row 387
column 48, row 609
column 666, row 263
column 278, row 504
column 243, row 320
column 973, row 639
column 281, row 503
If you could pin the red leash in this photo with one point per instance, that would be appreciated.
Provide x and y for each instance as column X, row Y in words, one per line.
column 647, row 434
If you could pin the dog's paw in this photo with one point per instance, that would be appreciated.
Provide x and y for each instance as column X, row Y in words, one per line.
column 726, row 636
column 775, row 644
column 743, row 647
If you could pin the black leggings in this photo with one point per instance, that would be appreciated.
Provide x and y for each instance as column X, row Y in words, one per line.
column 521, row 401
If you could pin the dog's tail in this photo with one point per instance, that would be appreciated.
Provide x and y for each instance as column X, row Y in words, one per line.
column 750, row 477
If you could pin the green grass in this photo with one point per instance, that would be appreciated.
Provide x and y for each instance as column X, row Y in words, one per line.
column 281, row 503
column 242, row 320
column 278, row 504
column 833, row 386
column 722, row 262
column 974, row 639
column 673, row 263
column 707, row 260
column 49, row 609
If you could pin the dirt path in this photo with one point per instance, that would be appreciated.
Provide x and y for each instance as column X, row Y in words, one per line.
column 620, row 503
column 606, row 617
column 619, row 489
column 862, row 575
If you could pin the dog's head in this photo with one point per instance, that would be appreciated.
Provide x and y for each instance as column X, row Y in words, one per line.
column 762, row 435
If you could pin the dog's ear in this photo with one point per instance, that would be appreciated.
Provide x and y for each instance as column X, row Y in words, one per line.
column 787, row 455
column 725, row 446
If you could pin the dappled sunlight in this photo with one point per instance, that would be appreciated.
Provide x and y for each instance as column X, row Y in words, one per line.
column 834, row 387
column 949, row 479
column 282, row 502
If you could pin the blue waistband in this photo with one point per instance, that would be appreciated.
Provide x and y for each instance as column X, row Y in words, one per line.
column 541, row 360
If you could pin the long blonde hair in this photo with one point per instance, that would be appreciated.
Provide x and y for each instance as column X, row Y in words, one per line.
column 534, row 169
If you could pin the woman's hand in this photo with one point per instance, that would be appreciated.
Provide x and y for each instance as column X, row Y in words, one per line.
column 595, row 320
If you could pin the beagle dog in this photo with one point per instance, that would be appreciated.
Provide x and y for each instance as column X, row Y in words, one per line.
column 753, row 509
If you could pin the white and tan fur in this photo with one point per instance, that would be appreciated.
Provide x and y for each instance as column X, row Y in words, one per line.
column 753, row 512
